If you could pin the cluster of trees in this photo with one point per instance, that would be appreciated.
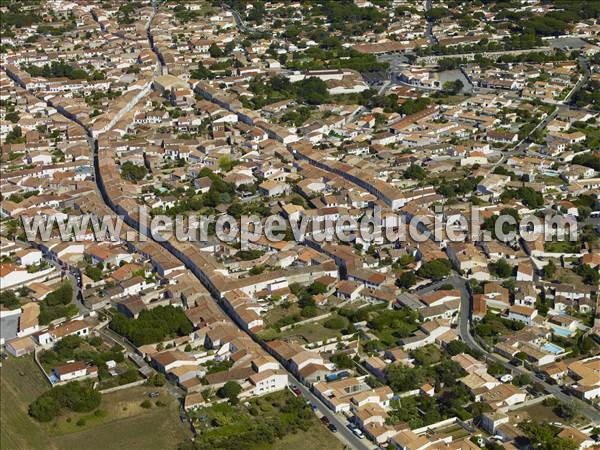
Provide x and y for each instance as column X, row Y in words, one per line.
column 436, row 269
column 490, row 222
column 415, row 172
column 454, row 188
column 57, row 304
column 293, row 415
column 298, row 116
column 590, row 95
column 230, row 391
column 424, row 410
column 126, row 13
column 153, row 325
column 74, row 396
column 16, row 16
column 133, row 172
column 94, row 271
column 8, row 299
column 529, row 196
column 390, row 104
column 15, row 136
column 588, row 274
column 588, row 160
column 501, row 268
column 406, row 279
column 305, row 295
column 545, row 435
column 60, row 69
column 492, row 326
column 346, row 17
column 389, row 326
column 342, row 361
column 312, row 91
column 316, row 58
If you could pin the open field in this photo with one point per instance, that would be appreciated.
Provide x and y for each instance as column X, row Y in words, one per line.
column 303, row 440
column 120, row 414
column 311, row 332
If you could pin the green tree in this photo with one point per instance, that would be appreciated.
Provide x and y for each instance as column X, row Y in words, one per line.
column 215, row 51
column 550, row 270
column 133, row 172
column 435, row 269
column 415, row 172
column 8, row 299
column 406, row 279
column 501, row 268
column 230, row 390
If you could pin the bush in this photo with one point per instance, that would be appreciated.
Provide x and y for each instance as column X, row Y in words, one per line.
column 146, row 404
column 230, row 390
column 74, row 396
column 158, row 380
column 335, row 323
column 80, row 422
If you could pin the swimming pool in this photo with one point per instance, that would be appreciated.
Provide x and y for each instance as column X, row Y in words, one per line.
column 553, row 348
column 562, row 332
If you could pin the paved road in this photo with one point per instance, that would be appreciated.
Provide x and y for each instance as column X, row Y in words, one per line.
column 429, row 30
column 238, row 19
column 464, row 326
column 343, row 433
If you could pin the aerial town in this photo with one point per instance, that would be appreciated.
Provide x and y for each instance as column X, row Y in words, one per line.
column 433, row 115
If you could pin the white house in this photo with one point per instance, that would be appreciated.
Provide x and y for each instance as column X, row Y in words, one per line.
column 268, row 381
column 74, row 370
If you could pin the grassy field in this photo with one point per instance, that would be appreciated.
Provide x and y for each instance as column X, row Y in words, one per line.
column 311, row 332
column 120, row 423
column 315, row 438
column 21, row 382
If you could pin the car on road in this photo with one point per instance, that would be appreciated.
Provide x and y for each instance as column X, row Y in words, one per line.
column 358, row 433
column 325, row 420
column 332, row 428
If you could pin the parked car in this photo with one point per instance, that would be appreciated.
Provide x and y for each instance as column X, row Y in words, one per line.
column 516, row 362
column 332, row 428
column 297, row 392
column 154, row 394
column 358, row 433
column 325, row 420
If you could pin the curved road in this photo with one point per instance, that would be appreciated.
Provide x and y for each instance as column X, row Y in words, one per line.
column 464, row 326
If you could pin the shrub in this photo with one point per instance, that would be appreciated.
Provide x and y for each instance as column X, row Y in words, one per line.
column 335, row 323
